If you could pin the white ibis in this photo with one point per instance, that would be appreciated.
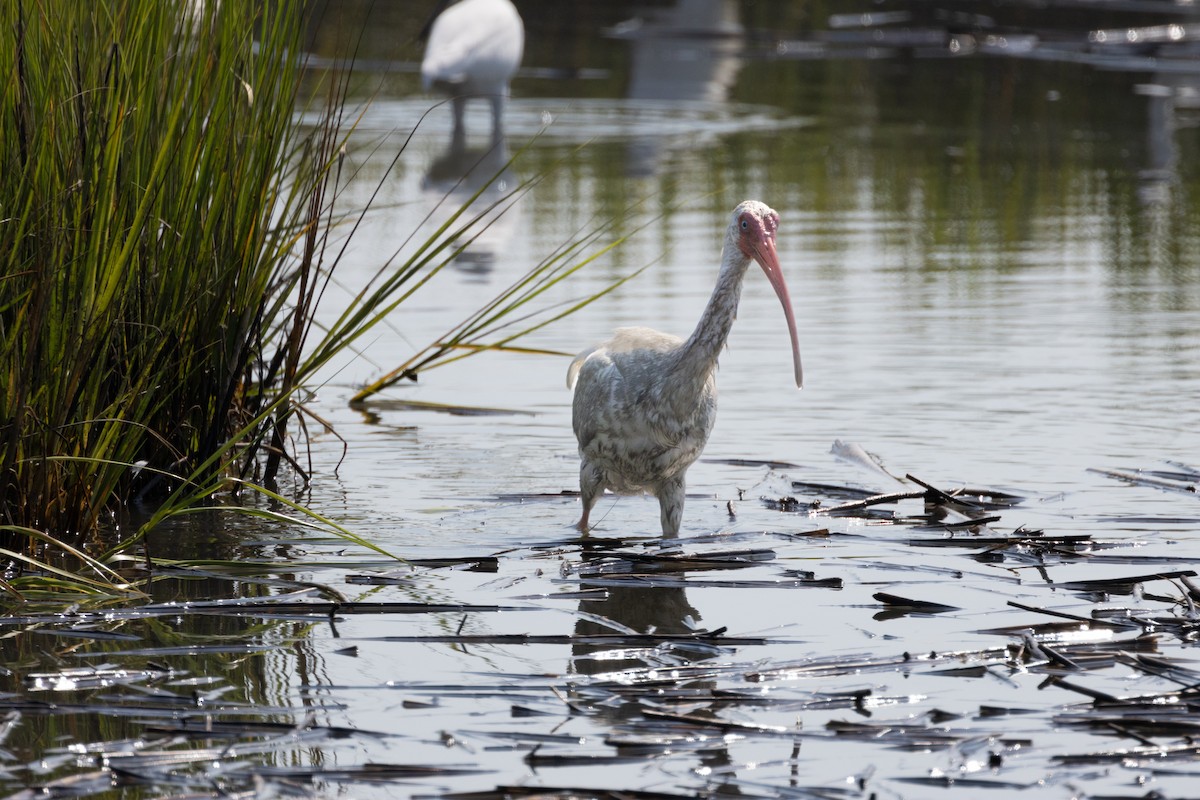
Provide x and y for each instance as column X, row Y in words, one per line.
column 474, row 48
column 645, row 402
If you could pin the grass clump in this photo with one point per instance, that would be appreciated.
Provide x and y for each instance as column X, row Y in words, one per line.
column 153, row 188
column 164, row 222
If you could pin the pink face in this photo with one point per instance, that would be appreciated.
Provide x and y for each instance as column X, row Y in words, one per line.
column 756, row 239
column 757, row 232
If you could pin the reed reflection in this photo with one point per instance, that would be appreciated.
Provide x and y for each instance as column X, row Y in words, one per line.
column 688, row 53
column 453, row 179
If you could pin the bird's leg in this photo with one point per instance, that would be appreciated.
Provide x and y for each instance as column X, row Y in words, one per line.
column 670, row 504
column 459, row 137
column 497, row 118
column 591, row 486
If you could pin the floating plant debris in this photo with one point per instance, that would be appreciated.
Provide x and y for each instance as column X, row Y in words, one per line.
column 376, row 404
column 925, row 606
column 323, row 609
column 873, row 500
column 789, row 504
column 830, row 490
column 520, row 497
column 1124, row 585
column 863, row 503
column 999, row 542
column 605, row 639
column 476, row 564
column 1185, row 482
column 622, row 677
column 751, row 462
column 565, row 793
column 625, row 562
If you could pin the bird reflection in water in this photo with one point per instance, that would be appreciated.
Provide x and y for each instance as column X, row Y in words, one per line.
column 647, row 610
column 686, row 54
column 453, row 179
column 474, row 48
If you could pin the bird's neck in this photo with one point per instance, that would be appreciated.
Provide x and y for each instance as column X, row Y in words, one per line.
column 698, row 355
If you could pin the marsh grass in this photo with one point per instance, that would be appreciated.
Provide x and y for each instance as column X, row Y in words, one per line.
column 154, row 186
column 166, row 234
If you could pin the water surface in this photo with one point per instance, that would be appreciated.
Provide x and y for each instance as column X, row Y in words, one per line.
column 995, row 270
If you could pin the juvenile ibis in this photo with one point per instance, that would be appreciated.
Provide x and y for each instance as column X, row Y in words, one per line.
column 645, row 402
column 473, row 50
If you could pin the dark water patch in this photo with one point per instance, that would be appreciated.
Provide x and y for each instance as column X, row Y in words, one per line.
column 521, row 497
column 820, row 667
column 239, row 729
column 802, row 581
column 710, row 639
column 582, row 594
column 969, row 525
column 188, row 650
column 1144, row 757
column 468, row 563
column 538, row 760
column 913, row 736
column 831, row 490
column 254, row 607
column 137, row 707
column 1035, row 539
column 85, row 633
column 965, row 782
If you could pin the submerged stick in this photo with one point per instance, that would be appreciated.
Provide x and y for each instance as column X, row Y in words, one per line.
column 873, row 500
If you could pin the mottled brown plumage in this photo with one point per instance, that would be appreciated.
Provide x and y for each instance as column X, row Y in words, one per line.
column 645, row 402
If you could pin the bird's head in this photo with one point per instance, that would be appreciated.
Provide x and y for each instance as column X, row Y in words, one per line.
column 752, row 229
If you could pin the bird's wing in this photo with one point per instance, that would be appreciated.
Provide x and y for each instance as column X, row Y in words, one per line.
column 611, row 382
column 597, row 384
column 624, row 341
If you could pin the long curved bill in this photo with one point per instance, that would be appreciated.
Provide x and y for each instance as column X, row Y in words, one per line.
column 764, row 254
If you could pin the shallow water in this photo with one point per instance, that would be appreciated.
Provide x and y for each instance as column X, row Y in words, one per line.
column 995, row 270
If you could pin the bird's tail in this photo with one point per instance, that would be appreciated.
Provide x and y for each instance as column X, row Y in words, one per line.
column 576, row 365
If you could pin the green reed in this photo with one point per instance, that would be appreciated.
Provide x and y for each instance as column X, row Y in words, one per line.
column 156, row 198
column 166, row 229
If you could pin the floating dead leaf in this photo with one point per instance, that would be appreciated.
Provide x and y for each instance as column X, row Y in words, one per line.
column 751, row 462
column 903, row 603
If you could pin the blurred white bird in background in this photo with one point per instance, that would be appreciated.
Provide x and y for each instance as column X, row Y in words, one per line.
column 473, row 50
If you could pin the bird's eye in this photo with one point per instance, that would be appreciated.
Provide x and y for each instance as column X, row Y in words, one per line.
column 745, row 225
